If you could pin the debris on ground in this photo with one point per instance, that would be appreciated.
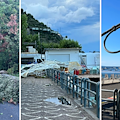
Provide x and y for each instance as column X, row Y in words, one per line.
column 39, row 69
column 74, row 66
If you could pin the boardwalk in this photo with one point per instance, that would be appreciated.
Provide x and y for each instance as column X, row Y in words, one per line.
column 34, row 107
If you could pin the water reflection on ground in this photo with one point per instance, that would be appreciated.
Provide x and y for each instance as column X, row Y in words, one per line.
column 59, row 100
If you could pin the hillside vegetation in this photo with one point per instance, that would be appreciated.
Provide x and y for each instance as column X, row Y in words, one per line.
column 48, row 38
column 9, row 35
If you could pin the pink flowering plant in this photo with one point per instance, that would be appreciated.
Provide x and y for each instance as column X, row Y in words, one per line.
column 9, row 48
column 13, row 24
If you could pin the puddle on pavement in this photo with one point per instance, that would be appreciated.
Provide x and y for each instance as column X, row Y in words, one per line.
column 59, row 100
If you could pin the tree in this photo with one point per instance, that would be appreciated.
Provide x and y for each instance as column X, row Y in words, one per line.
column 69, row 44
column 63, row 44
column 9, row 48
column 23, row 30
column 9, row 36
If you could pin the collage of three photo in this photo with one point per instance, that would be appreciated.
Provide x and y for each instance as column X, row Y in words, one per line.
column 59, row 60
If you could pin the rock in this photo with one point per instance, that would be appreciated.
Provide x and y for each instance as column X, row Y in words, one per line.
column 3, row 72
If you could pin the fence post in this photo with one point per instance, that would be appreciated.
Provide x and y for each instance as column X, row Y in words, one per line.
column 98, row 98
column 61, row 79
column 114, row 103
column 48, row 73
column 118, row 104
column 85, row 95
column 57, row 77
column 67, row 82
column 88, row 87
column 74, row 85
column 51, row 73
column 54, row 74
column 70, row 84
column 82, row 89
column 77, row 88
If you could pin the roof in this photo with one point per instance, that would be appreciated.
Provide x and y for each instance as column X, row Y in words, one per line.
column 58, row 49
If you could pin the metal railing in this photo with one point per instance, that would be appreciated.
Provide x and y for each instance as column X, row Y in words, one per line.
column 78, row 87
column 113, row 104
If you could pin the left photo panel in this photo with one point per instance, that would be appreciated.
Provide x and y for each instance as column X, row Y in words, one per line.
column 9, row 59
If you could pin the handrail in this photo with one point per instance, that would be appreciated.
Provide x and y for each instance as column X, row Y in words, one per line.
column 77, row 87
column 116, row 103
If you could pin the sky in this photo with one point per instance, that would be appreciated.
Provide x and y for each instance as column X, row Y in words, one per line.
column 110, row 16
column 77, row 19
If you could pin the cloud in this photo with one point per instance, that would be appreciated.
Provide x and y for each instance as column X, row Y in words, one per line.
column 67, row 11
column 86, row 34
column 78, row 15
column 78, row 19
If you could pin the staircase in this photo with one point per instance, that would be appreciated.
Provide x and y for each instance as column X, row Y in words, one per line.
column 82, row 61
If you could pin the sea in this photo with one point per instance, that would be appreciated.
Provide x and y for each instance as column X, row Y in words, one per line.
column 110, row 70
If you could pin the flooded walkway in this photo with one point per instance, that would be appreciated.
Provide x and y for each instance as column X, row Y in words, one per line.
column 39, row 97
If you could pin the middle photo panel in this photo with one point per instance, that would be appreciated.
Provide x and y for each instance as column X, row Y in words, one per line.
column 60, row 59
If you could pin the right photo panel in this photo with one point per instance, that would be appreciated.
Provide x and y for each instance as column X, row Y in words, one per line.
column 110, row 59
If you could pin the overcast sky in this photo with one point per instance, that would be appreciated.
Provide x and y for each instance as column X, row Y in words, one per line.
column 78, row 19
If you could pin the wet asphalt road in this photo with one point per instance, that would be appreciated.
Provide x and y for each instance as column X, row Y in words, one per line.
column 34, row 93
column 9, row 111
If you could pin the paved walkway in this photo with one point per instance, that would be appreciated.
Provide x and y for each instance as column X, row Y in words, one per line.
column 35, row 91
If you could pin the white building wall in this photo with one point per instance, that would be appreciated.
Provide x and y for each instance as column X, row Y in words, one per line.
column 31, row 49
column 92, row 59
column 63, row 55
column 35, row 56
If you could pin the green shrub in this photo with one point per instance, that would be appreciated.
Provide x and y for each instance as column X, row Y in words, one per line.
column 10, row 71
column 9, row 88
column 13, row 69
